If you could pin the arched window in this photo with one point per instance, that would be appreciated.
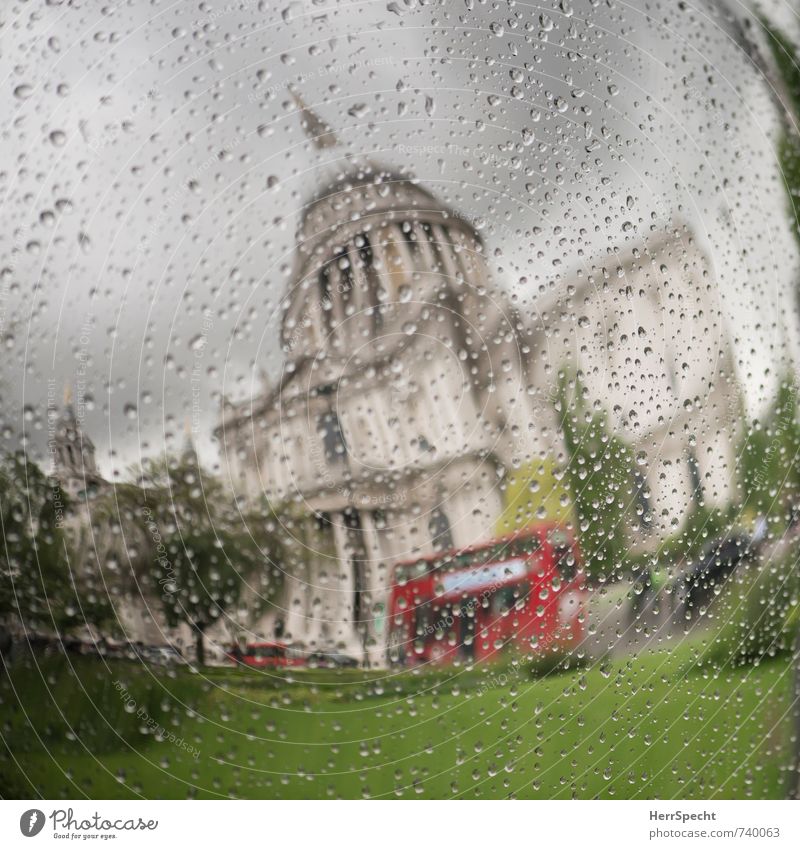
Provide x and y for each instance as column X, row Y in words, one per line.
column 439, row 528
column 325, row 298
column 346, row 280
column 333, row 442
column 367, row 264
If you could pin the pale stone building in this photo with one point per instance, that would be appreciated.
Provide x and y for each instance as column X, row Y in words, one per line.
column 102, row 543
column 645, row 329
column 389, row 424
column 411, row 388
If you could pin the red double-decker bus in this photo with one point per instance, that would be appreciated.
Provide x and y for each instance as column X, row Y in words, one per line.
column 466, row 605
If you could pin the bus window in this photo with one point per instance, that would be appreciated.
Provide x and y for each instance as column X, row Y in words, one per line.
column 564, row 557
column 525, row 547
column 422, row 619
column 510, row 598
column 268, row 652
column 503, row 601
column 397, row 645
column 444, row 625
column 466, row 628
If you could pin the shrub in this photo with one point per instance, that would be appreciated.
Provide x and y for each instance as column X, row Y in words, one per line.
column 758, row 610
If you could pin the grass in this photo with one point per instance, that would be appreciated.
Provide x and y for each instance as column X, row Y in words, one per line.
column 647, row 727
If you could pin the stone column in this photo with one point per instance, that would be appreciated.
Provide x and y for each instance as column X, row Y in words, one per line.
column 449, row 260
column 315, row 612
column 294, row 618
column 375, row 579
column 407, row 265
column 425, row 240
column 343, row 585
column 379, row 265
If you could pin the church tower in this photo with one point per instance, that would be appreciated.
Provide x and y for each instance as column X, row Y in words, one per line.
column 73, row 455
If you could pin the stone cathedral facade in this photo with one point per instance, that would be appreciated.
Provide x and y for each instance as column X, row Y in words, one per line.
column 412, row 387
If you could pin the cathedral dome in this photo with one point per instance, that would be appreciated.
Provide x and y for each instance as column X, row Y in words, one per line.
column 362, row 196
column 373, row 248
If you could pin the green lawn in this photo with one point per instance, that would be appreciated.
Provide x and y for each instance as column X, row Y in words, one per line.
column 645, row 727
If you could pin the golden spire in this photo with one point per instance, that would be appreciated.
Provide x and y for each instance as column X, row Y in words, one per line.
column 189, row 451
column 320, row 133
column 67, row 394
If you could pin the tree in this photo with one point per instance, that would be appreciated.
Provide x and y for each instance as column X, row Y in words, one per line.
column 536, row 492
column 42, row 583
column 270, row 531
column 770, row 456
column 207, row 557
column 788, row 76
column 121, row 541
column 600, row 476
column 788, row 80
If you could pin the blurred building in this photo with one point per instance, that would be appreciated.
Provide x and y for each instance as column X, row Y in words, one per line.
column 102, row 544
column 73, row 456
column 389, row 426
column 412, row 388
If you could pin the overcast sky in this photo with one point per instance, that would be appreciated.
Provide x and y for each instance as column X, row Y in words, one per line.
column 153, row 169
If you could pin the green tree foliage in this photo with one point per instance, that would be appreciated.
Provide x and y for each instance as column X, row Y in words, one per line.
column 759, row 610
column 43, row 586
column 770, row 457
column 600, row 476
column 119, row 536
column 203, row 556
column 275, row 536
column 537, row 492
column 786, row 62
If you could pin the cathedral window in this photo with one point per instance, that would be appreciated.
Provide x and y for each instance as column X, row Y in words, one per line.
column 346, row 281
column 325, row 295
column 333, row 442
column 440, row 531
column 434, row 238
column 410, row 236
column 364, row 250
column 367, row 260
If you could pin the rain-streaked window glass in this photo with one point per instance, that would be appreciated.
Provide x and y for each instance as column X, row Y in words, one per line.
column 400, row 400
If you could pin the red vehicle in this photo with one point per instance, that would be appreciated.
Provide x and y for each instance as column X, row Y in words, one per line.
column 466, row 605
column 270, row 655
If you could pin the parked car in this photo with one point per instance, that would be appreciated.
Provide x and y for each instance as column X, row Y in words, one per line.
column 166, row 655
column 266, row 655
column 331, row 660
column 716, row 563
